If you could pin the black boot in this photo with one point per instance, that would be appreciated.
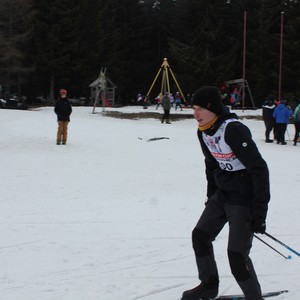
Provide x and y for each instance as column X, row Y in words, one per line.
column 202, row 291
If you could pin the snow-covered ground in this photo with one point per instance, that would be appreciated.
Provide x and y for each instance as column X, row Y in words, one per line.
column 109, row 215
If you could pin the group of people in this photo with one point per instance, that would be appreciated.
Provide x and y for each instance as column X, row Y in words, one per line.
column 177, row 99
column 276, row 116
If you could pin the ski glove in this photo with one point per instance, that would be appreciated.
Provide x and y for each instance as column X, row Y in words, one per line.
column 258, row 225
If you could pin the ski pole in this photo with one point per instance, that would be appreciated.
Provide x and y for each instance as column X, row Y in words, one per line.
column 286, row 257
column 282, row 244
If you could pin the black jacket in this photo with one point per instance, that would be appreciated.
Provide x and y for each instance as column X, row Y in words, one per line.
column 63, row 109
column 245, row 187
column 267, row 111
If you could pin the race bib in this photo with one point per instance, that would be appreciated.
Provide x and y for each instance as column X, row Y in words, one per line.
column 221, row 151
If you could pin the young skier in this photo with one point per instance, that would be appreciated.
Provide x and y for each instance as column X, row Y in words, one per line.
column 238, row 193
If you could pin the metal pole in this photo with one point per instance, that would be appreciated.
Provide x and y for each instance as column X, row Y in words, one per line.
column 286, row 257
column 280, row 57
column 282, row 244
column 153, row 82
column 244, row 60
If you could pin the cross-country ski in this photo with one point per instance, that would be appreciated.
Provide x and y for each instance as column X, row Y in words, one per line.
column 242, row 297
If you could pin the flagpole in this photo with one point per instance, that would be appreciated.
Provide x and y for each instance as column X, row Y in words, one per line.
column 244, row 60
column 280, row 57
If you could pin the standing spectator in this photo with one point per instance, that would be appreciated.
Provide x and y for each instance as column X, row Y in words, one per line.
column 267, row 111
column 282, row 114
column 178, row 101
column 158, row 100
column 166, row 104
column 297, row 123
column 234, row 98
column 188, row 100
column 238, row 193
column 140, row 99
column 171, row 99
column 63, row 110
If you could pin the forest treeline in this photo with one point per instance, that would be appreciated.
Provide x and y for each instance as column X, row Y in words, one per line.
column 46, row 45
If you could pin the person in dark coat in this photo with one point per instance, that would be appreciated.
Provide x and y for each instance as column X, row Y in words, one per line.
column 63, row 110
column 267, row 112
column 166, row 104
column 238, row 193
column 282, row 114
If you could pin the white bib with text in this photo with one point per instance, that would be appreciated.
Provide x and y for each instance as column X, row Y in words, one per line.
column 221, row 151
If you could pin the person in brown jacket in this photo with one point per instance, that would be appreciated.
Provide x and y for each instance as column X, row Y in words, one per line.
column 63, row 110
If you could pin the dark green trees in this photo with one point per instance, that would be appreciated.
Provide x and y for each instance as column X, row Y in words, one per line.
column 55, row 44
column 46, row 45
column 15, row 30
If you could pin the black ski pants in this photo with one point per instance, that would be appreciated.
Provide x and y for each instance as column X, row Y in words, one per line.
column 215, row 215
column 269, row 124
column 280, row 132
column 166, row 115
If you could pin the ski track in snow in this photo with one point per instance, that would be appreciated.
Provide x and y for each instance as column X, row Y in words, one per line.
column 109, row 216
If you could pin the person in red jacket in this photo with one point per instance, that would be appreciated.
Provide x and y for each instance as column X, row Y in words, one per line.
column 63, row 110
column 238, row 193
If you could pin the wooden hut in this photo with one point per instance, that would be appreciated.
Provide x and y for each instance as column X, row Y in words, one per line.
column 110, row 90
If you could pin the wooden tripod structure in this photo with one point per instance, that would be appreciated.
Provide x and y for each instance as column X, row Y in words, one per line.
column 101, row 89
column 165, row 82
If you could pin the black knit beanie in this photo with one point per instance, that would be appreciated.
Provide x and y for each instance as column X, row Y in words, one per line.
column 208, row 97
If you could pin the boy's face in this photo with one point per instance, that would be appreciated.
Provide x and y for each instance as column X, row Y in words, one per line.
column 203, row 115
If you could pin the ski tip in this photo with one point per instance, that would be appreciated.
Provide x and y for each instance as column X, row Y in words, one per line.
column 242, row 297
column 283, row 291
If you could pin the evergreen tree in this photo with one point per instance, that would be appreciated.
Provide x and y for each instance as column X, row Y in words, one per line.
column 126, row 48
column 15, row 29
column 55, row 43
column 208, row 45
column 291, row 50
column 90, row 35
